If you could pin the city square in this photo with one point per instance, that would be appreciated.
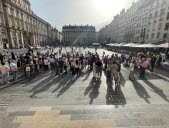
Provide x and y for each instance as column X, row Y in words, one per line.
column 84, row 64
column 81, row 101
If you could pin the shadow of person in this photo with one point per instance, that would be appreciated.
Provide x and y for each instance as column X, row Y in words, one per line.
column 122, row 80
column 45, row 86
column 141, row 91
column 157, row 90
column 67, row 86
column 87, row 73
column 95, row 91
column 115, row 98
column 89, row 88
column 62, row 82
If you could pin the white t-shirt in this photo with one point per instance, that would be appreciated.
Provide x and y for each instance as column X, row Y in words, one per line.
column 13, row 67
column 46, row 62
column 28, row 69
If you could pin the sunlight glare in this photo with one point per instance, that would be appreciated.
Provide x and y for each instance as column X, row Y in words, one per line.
column 108, row 7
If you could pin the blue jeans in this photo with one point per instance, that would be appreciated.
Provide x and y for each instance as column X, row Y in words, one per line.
column 5, row 78
column 52, row 66
column 57, row 70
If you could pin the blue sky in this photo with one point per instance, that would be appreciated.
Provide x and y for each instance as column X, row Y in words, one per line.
column 91, row 12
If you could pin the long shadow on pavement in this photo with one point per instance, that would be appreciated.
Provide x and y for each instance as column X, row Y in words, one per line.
column 23, row 80
column 141, row 91
column 115, row 97
column 43, row 82
column 41, row 87
column 67, row 85
column 157, row 90
column 122, row 80
column 62, row 82
column 87, row 73
column 93, row 89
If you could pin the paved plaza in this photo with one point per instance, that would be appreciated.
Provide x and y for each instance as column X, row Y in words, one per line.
column 66, row 101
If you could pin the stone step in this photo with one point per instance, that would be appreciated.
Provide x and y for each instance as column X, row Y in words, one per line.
column 46, row 113
column 37, row 118
column 83, row 124
column 71, row 124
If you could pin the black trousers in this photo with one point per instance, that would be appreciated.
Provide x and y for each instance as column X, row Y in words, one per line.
column 77, row 71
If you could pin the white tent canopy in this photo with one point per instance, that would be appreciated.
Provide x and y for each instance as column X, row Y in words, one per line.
column 111, row 44
column 96, row 44
column 130, row 45
column 119, row 45
column 165, row 45
column 146, row 46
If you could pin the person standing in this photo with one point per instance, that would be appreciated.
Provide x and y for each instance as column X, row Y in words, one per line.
column 131, row 75
column 28, row 71
column 46, row 64
column 1, row 58
column 5, row 73
column 52, row 65
column 153, row 61
column 14, row 69
column 65, row 64
column 114, row 69
column 99, row 67
column 61, row 65
column 13, row 56
column 57, row 67
column 77, row 67
column 72, row 65
column 94, row 70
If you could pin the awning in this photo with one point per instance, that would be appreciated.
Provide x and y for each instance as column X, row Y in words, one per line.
column 146, row 46
column 130, row 45
column 119, row 45
column 111, row 44
column 160, row 42
column 164, row 45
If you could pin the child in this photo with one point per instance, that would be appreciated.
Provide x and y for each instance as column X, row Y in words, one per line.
column 28, row 69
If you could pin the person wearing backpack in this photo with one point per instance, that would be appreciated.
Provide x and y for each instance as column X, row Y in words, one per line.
column 13, row 68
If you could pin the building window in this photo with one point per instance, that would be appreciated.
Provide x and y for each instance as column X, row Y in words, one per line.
column 168, row 16
column 152, row 36
column 153, row 28
column 159, row 27
column 166, row 26
column 1, row 20
column 165, row 36
column 158, row 35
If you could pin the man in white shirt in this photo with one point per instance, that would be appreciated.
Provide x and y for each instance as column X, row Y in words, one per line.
column 14, row 69
column 5, row 73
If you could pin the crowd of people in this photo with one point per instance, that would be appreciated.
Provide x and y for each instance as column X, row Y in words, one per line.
column 76, row 63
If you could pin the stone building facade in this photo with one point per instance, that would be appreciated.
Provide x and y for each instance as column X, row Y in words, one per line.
column 78, row 35
column 56, row 37
column 20, row 27
column 146, row 21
